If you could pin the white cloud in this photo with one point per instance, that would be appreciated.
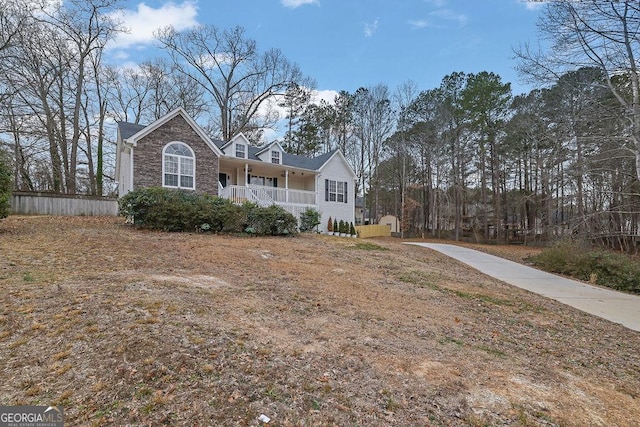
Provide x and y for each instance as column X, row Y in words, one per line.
column 533, row 5
column 121, row 55
column 449, row 15
column 440, row 18
column 269, row 135
column 370, row 28
column 419, row 23
column 297, row 3
column 328, row 96
column 142, row 22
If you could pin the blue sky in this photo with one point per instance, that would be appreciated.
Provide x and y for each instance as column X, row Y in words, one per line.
column 346, row 44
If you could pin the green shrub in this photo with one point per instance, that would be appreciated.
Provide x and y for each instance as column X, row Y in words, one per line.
column 559, row 258
column 272, row 220
column 179, row 210
column 160, row 209
column 597, row 266
column 309, row 219
column 216, row 214
column 5, row 188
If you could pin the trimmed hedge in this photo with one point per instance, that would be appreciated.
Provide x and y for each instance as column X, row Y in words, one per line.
column 166, row 209
column 601, row 267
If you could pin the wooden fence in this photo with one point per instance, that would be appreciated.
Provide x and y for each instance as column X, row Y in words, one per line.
column 27, row 203
column 365, row 231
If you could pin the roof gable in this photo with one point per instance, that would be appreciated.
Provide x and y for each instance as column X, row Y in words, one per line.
column 142, row 131
column 337, row 154
column 269, row 146
column 238, row 138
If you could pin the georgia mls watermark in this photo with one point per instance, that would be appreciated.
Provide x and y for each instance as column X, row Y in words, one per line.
column 31, row 416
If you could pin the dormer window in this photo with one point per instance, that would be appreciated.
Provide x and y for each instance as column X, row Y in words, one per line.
column 241, row 151
column 275, row 157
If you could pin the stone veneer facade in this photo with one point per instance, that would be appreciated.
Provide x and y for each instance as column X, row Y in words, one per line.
column 147, row 156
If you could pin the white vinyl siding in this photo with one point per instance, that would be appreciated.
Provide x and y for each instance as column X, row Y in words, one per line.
column 336, row 170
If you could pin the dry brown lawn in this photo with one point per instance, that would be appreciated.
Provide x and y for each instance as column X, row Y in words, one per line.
column 122, row 326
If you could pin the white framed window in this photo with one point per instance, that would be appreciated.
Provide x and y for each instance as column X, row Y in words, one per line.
column 263, row 181
column 332, row 191
column 275, row 157
column 178, row 166
column 335, row 191
column 340, row 191
column 256, row 180
column 241, row 151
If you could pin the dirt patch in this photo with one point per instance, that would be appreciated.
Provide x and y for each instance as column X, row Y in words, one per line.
column 131, row 327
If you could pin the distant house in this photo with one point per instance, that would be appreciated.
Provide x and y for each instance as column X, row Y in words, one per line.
column 175, row 152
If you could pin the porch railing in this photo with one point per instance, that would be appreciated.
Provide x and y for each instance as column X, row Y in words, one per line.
column 267, row 195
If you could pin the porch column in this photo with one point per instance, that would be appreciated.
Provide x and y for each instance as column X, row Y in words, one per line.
column 246, row 174
column 286, row 185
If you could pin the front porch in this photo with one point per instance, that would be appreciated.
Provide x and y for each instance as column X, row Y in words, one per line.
column 267, row 184
column 293, row 201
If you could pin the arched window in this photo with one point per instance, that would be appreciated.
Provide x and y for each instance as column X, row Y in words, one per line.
column 178, row 166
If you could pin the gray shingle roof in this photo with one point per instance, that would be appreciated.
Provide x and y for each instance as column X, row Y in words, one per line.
column 292, row 160
column 304, row 162
column 129, row 129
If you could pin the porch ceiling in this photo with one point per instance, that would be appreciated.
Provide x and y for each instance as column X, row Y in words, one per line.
column 263, row 168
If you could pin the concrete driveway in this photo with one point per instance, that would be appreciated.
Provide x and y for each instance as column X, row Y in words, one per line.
column 612, row 305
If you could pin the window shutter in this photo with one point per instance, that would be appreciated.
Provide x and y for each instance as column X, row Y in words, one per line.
column 326, row 190
column 345, row 193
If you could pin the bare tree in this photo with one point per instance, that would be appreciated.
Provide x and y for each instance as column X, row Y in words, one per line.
column 592, row 33
column 374, row 120
column 85, row 28
column 150, row 90
column 237, row 77
column 47, row 70
column 14, row 14
column 34, row 74
column 403, row 97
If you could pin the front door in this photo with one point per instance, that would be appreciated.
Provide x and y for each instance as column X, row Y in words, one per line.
column 222, row 178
